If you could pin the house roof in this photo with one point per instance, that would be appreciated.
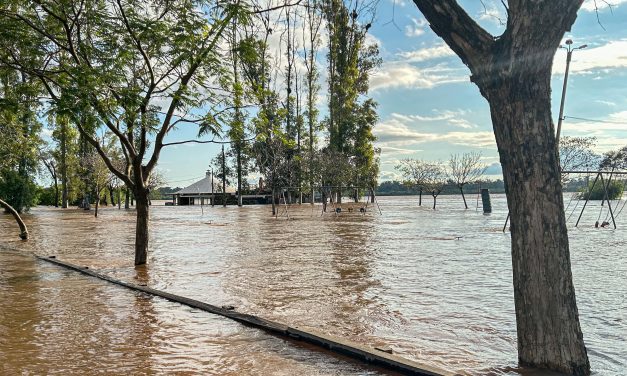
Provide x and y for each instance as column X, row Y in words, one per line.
column 203, row 187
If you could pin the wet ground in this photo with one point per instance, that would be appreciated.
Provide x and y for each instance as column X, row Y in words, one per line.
column 435, row 286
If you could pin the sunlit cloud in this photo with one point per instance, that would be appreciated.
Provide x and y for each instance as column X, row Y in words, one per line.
column 612, row 55
column 402, row 75
column 428, row 53
column 600, row 5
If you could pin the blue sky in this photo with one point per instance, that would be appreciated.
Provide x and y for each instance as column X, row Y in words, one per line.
column 428, row 108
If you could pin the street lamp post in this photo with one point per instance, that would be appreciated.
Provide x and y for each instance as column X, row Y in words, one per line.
column 569, row 54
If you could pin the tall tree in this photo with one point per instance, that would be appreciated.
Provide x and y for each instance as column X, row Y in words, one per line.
column 513, row 72
column 120, row 59
column 350, row 60
column 311, row 45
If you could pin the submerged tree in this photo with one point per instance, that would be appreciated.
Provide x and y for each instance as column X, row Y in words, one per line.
column 415, row 172
column 135, row 65
column 465, row 168
column 513, row 72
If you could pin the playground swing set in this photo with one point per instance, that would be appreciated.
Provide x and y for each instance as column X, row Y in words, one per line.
column 605, row 184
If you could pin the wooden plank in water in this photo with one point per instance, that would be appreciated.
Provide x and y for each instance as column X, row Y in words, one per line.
column 338, row 345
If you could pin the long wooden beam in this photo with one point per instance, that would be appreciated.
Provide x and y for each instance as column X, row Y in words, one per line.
column 332, row 343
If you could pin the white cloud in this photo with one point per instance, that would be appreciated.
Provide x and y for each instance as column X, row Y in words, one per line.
column 424, row 54
column 612, row 55
column 455, row 118
column 416, row 28
column 399, row 132
column 592, row 5
column 402, row 75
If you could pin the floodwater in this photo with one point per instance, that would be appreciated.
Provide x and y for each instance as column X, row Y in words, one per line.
column 435, row 286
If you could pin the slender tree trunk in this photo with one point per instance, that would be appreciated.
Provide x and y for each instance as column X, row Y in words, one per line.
column 127, row 198
column 56, row 192
column 223, row 178
column 97, row 201
column 141, row 229
column 420, row 197
column 112, row 195
column 435, row 198
column 18, row 219
column 461, row 190
column 239, row 177
column 549, row 334
column 64, row 187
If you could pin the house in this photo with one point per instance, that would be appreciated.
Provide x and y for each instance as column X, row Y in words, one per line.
column 199, row 193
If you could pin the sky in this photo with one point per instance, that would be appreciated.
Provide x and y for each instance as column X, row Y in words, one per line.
column 428, row 108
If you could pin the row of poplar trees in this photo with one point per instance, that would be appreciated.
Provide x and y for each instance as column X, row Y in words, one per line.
column 275, row 126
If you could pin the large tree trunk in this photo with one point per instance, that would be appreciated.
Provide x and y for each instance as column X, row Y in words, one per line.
column 141, row 229
column 513, row 72
column 549, row 334
column 18, row 219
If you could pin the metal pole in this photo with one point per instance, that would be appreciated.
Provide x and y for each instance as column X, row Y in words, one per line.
column 212, row 190
column 607, row 197
column 569, row 55
column 588, row 197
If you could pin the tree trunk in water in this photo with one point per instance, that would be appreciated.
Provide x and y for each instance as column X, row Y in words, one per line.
column 56, row 193
column 18, row 219
column 273, row 203
column 141, row 229
column 64, row 190
column 97, row 202
column 239, row 177
column 111, row 195
column 435, row 198
column 547, row 320
column 461, row 190
column 420, row 198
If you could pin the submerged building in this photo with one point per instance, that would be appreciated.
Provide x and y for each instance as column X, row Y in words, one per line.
column 199, row 193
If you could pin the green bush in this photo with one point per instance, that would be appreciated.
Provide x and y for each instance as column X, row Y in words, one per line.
column 17, row 190
column 614, row 191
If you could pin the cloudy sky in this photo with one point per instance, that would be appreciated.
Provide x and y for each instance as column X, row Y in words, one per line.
column 428, row 108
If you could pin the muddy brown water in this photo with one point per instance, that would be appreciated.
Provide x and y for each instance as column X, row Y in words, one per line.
column 435, row 286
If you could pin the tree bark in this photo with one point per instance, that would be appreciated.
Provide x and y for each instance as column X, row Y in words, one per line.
column 549, row 334
column 141, row 229
column 18, row 219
